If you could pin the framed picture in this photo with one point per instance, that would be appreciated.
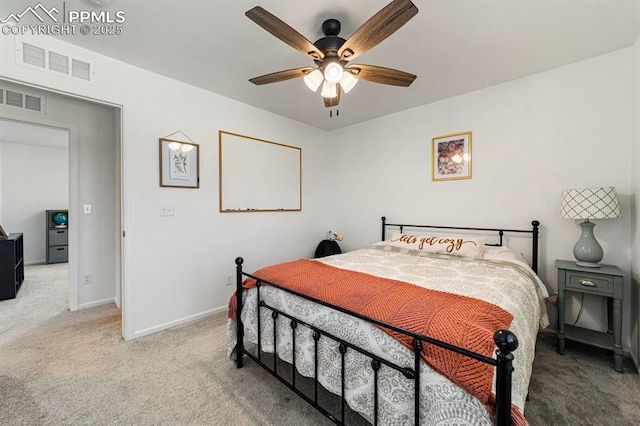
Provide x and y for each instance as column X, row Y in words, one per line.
column 3, row 235
column 179, row 164
column 451, row 157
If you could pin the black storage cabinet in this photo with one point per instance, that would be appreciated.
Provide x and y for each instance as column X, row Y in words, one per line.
column 11, row 266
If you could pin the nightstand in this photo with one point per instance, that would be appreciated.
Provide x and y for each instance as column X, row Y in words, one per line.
column 604, row 281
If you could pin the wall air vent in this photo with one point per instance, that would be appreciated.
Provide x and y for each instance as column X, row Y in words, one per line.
column 81, row 69
column 32, row 102
column 25, row 101
column 58, row 62
column 15, row 99
column 33, row 55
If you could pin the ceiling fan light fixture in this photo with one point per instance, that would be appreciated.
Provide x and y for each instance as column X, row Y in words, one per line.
column 313, row 80
column 333, row 72
column 348, row 82
column 329, row 90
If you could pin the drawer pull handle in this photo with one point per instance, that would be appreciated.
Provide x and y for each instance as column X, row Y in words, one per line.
column 588, row 283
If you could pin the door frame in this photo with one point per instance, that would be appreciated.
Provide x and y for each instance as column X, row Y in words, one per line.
column 75, row 209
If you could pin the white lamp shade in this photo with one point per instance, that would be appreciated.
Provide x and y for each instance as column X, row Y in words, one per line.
column 348, row 82
column 590, row 203
column 333, row 72
column 313, row 80
column 329, row 90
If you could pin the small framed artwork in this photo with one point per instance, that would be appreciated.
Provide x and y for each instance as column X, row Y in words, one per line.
column 179, row 164
column 451, row 157
column 3, row 235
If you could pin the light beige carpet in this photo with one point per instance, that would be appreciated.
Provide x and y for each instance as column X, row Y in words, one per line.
column 72, row 368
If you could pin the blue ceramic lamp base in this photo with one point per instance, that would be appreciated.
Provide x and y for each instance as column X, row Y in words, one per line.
column 587, row 250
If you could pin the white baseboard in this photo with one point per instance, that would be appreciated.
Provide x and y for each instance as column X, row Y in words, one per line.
column 35, row 262
column 96, row 303
column 180, row 321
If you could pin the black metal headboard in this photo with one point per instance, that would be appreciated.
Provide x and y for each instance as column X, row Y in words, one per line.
column 534, row 231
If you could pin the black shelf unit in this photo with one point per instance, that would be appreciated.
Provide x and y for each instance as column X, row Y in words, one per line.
column 57, row 239
column 11, row 266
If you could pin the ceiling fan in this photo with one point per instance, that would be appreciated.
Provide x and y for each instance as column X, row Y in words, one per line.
column 332, row 54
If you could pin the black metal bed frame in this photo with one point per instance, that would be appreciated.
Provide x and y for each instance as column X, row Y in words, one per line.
column 505, row 340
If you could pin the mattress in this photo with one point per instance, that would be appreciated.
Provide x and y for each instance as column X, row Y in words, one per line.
column 510, row 284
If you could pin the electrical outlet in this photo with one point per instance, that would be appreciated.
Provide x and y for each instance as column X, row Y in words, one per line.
column 229, row 279
column 87, row 279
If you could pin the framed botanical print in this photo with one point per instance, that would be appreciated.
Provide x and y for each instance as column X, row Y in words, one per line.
column 179, row 164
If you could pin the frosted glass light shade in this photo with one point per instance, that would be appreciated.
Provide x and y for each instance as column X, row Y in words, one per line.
column 313, row 80
column 329, row 90
column 348, row 82
column 333, row 72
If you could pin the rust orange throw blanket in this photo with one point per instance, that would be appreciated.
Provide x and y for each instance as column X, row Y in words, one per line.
column 462, row 321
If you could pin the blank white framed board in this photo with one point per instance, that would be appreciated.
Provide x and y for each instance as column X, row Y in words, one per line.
column 258, row 175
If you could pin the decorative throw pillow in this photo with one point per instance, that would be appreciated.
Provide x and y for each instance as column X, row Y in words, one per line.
column 457, row 246
column 502, row 253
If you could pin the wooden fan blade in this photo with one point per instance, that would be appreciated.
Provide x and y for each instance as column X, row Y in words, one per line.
column 331, row 102
column 380, row 26
column 284, row 32
column 381, row 75
column 275, row 77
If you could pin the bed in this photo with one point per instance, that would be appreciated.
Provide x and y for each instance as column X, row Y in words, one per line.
column 419, row 328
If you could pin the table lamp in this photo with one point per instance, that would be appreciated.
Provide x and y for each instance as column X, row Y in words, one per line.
column 589, row 203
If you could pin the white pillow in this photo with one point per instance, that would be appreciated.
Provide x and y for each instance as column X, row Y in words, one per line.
column 457, row 246
column 502, row 253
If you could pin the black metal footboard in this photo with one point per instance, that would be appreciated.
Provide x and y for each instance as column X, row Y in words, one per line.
column 505, row 340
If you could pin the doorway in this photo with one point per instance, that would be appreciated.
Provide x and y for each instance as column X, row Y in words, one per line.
column 94, row 191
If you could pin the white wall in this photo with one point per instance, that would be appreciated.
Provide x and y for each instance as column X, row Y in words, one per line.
column 635, row 207
column 175, row 267
column 34, row 179
column 532, row 138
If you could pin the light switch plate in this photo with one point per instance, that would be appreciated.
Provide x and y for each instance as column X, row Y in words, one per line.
column 166, row 210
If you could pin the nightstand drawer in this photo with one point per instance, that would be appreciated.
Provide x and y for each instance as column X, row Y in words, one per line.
column 592, row 283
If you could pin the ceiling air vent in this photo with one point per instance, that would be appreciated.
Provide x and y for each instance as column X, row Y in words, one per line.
column 33, row 55
column 80, row 69
column 58, row 63
column 14, row 99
